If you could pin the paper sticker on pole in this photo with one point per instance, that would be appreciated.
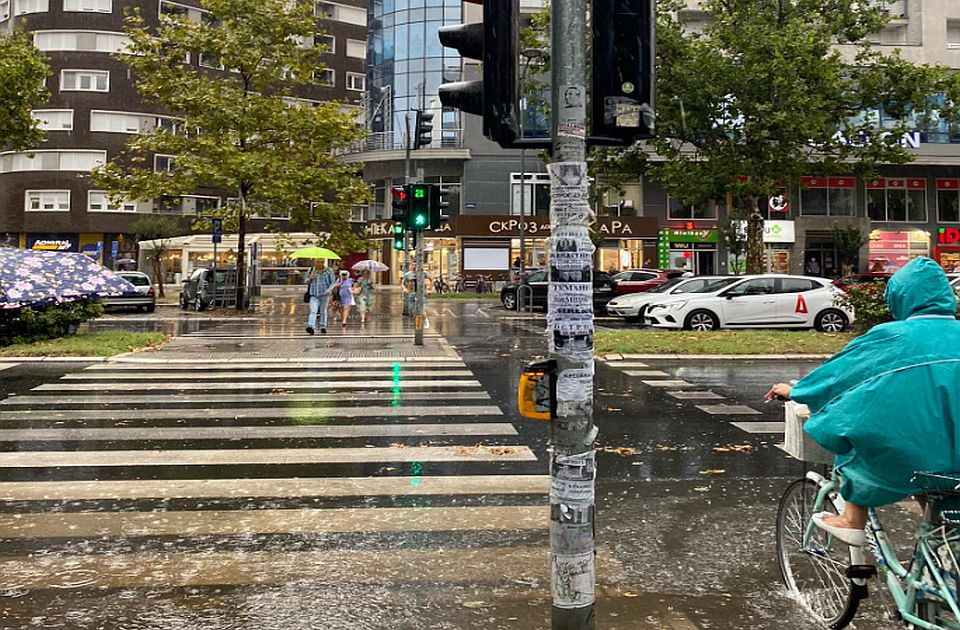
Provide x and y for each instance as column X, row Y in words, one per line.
column 574, row 579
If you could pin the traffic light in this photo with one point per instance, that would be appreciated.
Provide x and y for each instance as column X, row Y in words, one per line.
column 495, row 43
column 423, row 136
column 398, row 240
column 401, row 202
column 623, row 71
column 438, row 205
column 418, row 217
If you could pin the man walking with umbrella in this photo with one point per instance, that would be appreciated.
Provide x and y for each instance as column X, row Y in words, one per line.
column 320, row 281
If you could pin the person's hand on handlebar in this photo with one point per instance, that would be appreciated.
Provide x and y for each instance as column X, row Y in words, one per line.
column 780, row 391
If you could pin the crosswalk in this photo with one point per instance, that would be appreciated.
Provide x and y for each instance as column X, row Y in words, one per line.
column 171, row 473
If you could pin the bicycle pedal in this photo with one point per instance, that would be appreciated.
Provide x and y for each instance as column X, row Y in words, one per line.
column 861, row 571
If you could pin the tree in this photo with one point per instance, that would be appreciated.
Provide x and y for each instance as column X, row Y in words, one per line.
column 23, row 70
column 773, row 90
column 734, row 236
column 159, row 228
column 848, row 240
column 241, row 131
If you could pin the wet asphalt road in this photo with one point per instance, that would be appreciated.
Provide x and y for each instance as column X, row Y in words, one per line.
column 685, row 530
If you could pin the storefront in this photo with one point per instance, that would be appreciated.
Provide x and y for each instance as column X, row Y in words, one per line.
column 106, row 249
column 891, row 250
column 947, row 251
column 778, row 240
column 689, row 249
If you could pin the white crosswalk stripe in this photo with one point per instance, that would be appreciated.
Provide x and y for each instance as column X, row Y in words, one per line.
column 247, row 449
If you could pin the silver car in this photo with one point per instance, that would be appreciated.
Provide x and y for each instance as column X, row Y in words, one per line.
column 633, row 305
column 143, row 298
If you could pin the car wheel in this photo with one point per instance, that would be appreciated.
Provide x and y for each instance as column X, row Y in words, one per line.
column 509, row 301
column 831, row 321
column 184, row 305
column 701, row 320
column 198, row 304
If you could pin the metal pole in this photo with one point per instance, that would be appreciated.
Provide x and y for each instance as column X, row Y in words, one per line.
column 215, row 260
column 406, row 234
column 523, row 203
column 570, row 330
column 421, row 293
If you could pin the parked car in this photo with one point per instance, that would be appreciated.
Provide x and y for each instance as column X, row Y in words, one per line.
column 769, row 301
column 633, row 306
column 604, row 288
column 870, row 277
column 640, row 280
column 143, row 298
column 197, row 290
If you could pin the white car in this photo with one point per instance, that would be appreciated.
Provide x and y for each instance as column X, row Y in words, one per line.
column 633, row 305
column 767, row 301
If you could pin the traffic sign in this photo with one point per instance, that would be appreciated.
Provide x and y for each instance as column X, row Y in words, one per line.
column 216, row 228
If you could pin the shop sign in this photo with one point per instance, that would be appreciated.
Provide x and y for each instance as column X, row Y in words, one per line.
column 948, row 236
column 778, row 232
column 384, row 229
column 52, row 243
column 890, row 250
column 695, row 235
column 507, row 227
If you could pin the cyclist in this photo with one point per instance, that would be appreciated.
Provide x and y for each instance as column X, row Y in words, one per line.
column 888, row 405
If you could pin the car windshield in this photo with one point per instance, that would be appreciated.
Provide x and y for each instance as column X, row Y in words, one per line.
column 623, row 276
column 716, row 286
column 666, row 286
column 136, row 279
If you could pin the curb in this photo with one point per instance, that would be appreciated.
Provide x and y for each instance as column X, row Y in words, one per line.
column 613, row 358
column 53, row 359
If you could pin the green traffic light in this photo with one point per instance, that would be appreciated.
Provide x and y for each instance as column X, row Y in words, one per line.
column 420, row 220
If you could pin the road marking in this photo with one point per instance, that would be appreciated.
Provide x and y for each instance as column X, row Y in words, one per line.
column 141, row 401
column 279, row 367
column 645, row 373
column 310, row 412
column 627, row 364
column 265, row 456
column 226, row 376
column 7, row 366
column 728, row 410
column 406, row 383
column 258, row 522
column 707, row 395
column 677, row 383
column 761, row 427
column 272, row 488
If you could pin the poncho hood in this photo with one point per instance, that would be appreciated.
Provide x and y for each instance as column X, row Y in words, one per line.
column 920, row 288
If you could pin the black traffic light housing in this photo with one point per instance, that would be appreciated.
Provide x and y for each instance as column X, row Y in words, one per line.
column 398, row 237
column 423, row 134
column 495, row 42
column 401, row 202
column 418, row 216
column 624, row 41
column 438, row 205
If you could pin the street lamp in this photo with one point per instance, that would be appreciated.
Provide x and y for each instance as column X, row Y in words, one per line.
column 529, row 54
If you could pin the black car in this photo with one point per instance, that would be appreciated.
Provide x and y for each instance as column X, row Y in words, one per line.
column 197, row 290
column 535, row 286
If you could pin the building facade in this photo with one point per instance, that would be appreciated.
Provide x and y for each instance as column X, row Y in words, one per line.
column 46, row 197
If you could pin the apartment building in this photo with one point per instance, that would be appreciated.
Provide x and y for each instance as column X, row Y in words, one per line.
column 46, row 198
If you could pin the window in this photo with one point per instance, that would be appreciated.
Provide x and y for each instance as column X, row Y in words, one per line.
column 174, row 10
column 833, row 196
column 54, row 119
column 95, row 41
column 341, row 13
column 119, row 122
column 168, row 124
column 47, row 201
column 98, row 201
column 356, row 49
column 356, row 81
column 536, row 196
column 328, row 42
column 703, row 210
column 89, row 6
column 759, row 286
column 325, row 10
column 4, row 10
column 210, row 60
column 796, row 285
column 84, row 81
column 953, row 33
column 163, row 163
column 897, row 200
column 327, row 77
column 23, row 7
column 948, row 200
column 51, row 161
column 198, row 205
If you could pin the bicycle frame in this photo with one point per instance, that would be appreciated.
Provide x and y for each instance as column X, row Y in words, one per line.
column 905, row 586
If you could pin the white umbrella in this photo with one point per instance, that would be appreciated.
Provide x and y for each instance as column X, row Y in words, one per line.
column 370, row 265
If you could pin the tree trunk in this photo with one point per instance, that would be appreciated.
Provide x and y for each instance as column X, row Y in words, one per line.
column 158, row 272
column 754, row 238
column 241, row 251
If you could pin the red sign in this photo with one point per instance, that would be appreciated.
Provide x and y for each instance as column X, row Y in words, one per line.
column 948, row 184
column 801, row 305
column 948, row 236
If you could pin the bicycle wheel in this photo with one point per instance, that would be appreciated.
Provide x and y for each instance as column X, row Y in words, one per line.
column 815, row 573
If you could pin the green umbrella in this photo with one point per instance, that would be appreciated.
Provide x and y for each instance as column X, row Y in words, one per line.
column 315, row 252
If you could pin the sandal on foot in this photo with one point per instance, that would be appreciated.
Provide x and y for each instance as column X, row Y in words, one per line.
column 852, row 537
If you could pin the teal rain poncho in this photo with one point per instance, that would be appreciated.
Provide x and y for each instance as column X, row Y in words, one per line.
column 889, row 403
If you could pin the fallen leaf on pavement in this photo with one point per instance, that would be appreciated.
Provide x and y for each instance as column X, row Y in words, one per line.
column 713, row 471
column 630, row 594
column 474, row 604
column 623, row 451
column 702, row 489
column 397, row 445
column 736, row 448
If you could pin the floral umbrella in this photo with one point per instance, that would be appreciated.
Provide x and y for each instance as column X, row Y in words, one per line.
column 31, row 278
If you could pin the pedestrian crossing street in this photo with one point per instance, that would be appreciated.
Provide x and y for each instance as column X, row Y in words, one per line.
column 200, row 472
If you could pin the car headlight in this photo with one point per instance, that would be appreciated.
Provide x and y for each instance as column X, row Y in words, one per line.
column 672, row 306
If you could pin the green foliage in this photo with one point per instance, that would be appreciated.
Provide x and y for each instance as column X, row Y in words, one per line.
column 734, row 235
column 25, row 325
column 848, row 240
column 23, row 70
column 159, row 228
column 869, row 303
column 238, row 131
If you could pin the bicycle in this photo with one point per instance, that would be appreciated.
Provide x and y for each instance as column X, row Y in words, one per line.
column 441, row 286
column 831, row 578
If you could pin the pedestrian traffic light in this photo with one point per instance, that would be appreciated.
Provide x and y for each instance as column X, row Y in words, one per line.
column 623, row 71
column 423, row 136
column 495, row 43
column 401, row 202
column 438, row 205
column 398, row 237
column 418, row 216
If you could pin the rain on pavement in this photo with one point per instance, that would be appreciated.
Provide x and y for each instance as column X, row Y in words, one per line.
column 251, row 476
